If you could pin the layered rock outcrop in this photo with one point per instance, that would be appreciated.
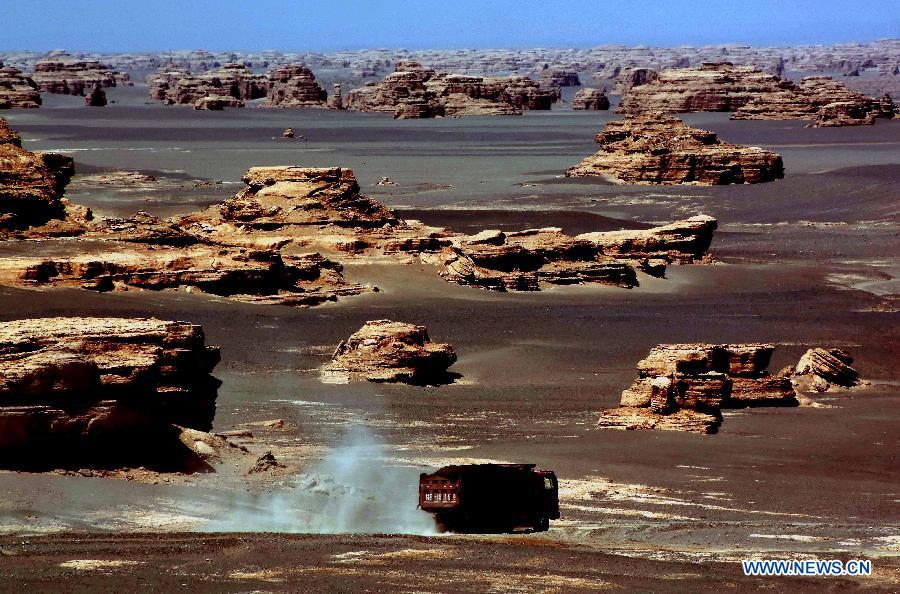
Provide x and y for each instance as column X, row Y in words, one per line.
column 234, row 249
column 824, row 101
column 294, row 86
column 17, row 90
column 521, row 261
column 77, row 391
column 820, row 368
column 387, row 351
column 412, row 91
column 683, row 387
column 262, row 276
column 65, row 75
column 653, row 148
column 32, row 185
column 590, row 100
column 717, row 86
column 287, row 196
column 233, row 81
column 751, row 94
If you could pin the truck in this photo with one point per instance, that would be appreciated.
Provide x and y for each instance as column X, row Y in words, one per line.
column 490, row 497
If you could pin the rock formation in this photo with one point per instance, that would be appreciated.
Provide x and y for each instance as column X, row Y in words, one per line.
column 215, row 103
column 17, row 90
column 412, row 91
column 262, row 276
column 683, row 387
column 336, row 101
column 65, row 75
column 386, row 351
column 559, row 77
column 633, row 77
column 521, row 261
column 96, row 98
column 719, row 86
column 590, row 99
column 234, row 249
column 826, row 367
column 653, row 148
column 31, row 185
column 233, row 83
column 294, row 86
column 681, row 242
column 820, row 99
column 77, row 391
column 287, row 196
column 751, row 94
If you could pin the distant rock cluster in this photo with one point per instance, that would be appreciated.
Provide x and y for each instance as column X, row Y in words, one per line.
column 825, row 101
column 413, row 91
column 17, row 91
column 65, row 75
column 231, row 85
column 653, row 148
column 750, row 94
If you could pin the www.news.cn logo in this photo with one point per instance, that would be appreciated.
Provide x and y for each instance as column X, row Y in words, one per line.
column 807, row 567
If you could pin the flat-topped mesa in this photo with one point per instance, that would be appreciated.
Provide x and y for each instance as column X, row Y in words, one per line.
column 412, row 91
column 65, row 75
column 521, row 261
column 682, row 387
column 387, row 351
column 718, row 86
column 82, row 391
column 31, row 187
column 653, row 148
column 294, row 86
column 590, row 100
column 820, row 99
column 262, row 276
column 233, row 80
column 17, row 90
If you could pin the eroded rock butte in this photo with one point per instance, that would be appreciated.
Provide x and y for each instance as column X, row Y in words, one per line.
column 387, row 351
column 653, row 148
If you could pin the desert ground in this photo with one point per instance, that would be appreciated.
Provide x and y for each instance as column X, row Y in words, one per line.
column 809, row 260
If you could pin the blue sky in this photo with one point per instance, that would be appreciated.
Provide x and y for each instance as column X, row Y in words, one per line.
column 128, row 25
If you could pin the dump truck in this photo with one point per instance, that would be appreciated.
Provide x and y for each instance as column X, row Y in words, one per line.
column 490, row 497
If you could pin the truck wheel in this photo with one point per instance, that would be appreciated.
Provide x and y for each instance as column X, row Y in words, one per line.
column 541, row 524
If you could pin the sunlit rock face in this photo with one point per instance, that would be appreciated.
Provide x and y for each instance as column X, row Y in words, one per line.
column 101, row 390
